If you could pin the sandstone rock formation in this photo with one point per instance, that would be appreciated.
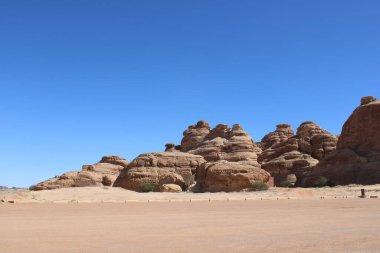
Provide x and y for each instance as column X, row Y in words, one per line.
column 230, row 154
column 357, row 158
column 103, row 173
column 194, row 135
column 285, row 153
column 315, row 141
column 109, row 168
column 229, row 176
column 159, row 168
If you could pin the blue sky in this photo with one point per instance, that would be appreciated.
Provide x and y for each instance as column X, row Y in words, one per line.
column 82, row 79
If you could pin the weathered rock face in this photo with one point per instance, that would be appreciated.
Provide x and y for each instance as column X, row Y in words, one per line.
column 158, row 169
column 285, row 153
column 230, row 154
column 109, row 168
column 70, row 179
column 229, row 176
column 283, row 132
column 103, row 173
column 361, row 132
column 315, row 141
column 113, row 159
column 194, row 135
column 221, row 143
column 357, row 158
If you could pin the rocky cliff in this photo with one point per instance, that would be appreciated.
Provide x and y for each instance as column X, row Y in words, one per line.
column 286, row 154
column 231, row 157
column 357, row 158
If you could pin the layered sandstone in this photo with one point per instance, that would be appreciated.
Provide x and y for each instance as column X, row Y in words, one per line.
column 230, row 154
column 103, row 173
column 285, row 153
column 357, row 158
column 159, row 168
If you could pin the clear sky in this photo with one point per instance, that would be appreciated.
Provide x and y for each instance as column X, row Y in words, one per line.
column 82, row 79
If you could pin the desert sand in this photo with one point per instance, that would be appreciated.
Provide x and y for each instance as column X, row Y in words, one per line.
column 119, row 195
column 307, row 225
column 299, row 221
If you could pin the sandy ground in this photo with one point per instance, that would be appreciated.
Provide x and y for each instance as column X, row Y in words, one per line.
column 295, row 225
column 110, row 220
column 119, row 195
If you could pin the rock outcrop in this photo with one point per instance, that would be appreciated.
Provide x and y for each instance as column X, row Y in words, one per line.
column 157, row 169
column 285, row 153
column 357, row 157
column 230, row 154
column 194, row 135
column 103, row 173
column 229, row 176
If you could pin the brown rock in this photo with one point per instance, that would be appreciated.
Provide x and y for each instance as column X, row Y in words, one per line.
column 113, row 159
column 229, row 176
column 231, row 155
column 285, row 153
column 104, row 173
column 282, row 133
column 69, row 179
column 169, row 147
column 367, row 100
column 158, row 169
column 194, row 135
column 315, row 141
column 108, row 180
column 357, row 157
column 223, row 143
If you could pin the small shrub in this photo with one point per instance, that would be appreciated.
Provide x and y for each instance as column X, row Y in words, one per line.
column 286, row 184
column 322, row 182
column 259, row 186
column 149, row 187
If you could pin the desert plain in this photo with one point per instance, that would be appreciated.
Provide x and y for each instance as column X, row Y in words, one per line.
column 96, row 219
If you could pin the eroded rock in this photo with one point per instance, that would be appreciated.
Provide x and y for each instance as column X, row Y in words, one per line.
column 357, row 157
column 102, row 173
column 285, row 153
column 159, row 168
column 230, row 154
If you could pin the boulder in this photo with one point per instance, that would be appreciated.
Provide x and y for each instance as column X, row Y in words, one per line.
column 103, row 173
column 169, row 147
column 229, row 176
column 113, row 159
column 357, row 157
column 159, row 168
column 170, row 188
